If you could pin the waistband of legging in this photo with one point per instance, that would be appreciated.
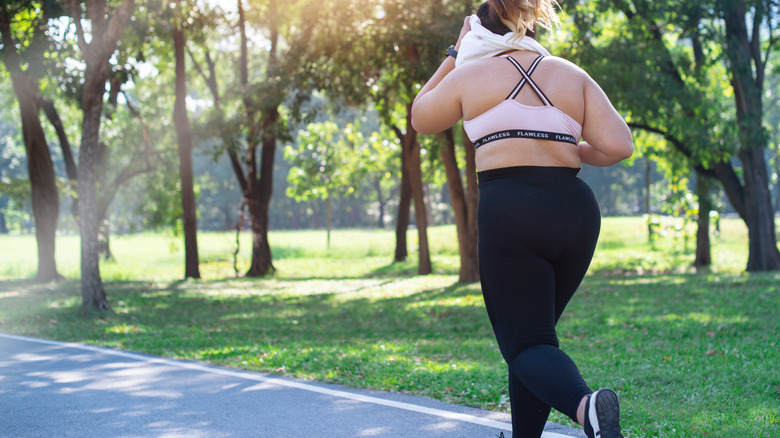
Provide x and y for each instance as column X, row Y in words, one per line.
column 536, row 172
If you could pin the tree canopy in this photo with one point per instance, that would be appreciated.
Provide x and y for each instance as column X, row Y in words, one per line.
column 89, row 87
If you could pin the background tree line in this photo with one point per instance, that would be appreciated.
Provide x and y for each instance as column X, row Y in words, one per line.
column 267, row 114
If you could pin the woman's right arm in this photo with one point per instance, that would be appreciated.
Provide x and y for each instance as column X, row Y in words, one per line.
column 607, row 137
column 438, row 108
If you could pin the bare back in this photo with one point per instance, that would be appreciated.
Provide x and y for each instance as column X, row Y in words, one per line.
column 561, row 82
column 470, row 90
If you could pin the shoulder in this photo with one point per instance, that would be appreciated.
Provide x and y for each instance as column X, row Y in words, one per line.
column 571, row 73
column 475, row 67
column 463, row 77
column 566, row 65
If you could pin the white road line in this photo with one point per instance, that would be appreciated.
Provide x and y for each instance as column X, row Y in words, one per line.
column 284, row 382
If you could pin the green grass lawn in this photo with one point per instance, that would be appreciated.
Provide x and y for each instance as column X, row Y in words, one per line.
column 691, row 354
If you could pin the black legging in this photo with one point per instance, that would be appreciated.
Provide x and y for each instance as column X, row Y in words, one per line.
column 538, row 227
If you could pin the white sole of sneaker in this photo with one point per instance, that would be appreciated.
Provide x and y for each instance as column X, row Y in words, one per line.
column 593, row 414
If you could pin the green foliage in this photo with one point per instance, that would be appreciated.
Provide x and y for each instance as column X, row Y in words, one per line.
column 378, row 156
column 381, row 52
column 31, row 27
column 321, row 161
column 644, row 60
column 13, row 159
column 17, row 189
column 331, row 161
column 159, row 204
column 348, row 52
column 663, row 66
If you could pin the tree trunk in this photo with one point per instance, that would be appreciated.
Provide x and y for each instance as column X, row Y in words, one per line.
column 404, row 206
column 45, row 197
column 381, row 200
column 258, row 187
column 328, row 220
column 105, row 34
column 469, row 267
column 3, row 224
column 763, row 254
column 747, row 79
column 93, row 294
column 261, row 264
column 703, row 252
column 777, row 184
column 258, row 197
column 71, row 170
column 412, row 148
column 104, row 238
column 472, row 200
column 67, row 152
column 182, row 122
column 646, row 200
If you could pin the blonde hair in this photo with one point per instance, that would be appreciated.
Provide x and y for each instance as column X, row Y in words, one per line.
column 522, row 15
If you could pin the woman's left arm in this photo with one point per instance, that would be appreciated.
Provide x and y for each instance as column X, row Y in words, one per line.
column 435, row 107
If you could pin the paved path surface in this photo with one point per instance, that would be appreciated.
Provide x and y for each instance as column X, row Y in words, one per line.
column 53, row 389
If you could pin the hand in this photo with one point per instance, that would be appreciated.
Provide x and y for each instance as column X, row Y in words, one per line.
column 463, row 31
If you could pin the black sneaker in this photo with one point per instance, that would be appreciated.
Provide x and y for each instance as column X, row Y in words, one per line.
column 602, row 415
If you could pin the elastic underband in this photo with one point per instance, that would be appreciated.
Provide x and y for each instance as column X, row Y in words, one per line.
column 536, row 172
column 526, row 133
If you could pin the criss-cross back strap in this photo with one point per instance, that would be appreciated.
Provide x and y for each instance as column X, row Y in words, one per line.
column 527, row 79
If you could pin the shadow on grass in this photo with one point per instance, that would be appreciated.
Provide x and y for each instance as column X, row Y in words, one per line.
column 19, row 284
column 395, row 269
column 353, row 269
column 12, row 285
column 263, row 315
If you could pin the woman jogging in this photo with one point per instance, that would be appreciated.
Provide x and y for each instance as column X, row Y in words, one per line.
column 528, row 113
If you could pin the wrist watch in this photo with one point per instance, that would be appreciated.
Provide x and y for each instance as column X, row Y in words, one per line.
column 451, row 52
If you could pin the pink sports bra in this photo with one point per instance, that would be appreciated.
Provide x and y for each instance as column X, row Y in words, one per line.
column 544, row 122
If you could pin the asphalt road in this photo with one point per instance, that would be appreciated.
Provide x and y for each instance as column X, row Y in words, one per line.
column 55, row 389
